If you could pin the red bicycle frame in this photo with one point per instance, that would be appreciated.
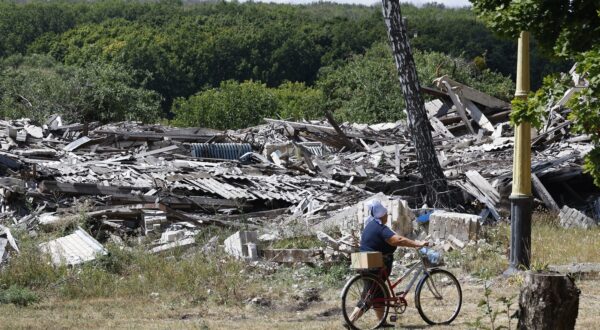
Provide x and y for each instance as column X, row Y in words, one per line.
column 394, row 299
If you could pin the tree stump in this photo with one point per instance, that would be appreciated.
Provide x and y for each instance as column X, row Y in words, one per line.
column 548, row 301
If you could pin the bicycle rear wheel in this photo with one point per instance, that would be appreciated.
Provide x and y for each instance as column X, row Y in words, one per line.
column 438, row 297
column 363, row 302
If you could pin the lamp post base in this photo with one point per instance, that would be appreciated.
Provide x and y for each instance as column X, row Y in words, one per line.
column 520, row 233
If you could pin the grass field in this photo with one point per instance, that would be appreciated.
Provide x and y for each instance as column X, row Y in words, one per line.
column 170, row 312
column 188, row 289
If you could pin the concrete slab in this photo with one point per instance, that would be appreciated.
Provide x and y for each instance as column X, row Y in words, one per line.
column 462, row 226
column 237, row 244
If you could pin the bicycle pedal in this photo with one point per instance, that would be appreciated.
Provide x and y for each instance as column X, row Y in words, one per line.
column 393, row 318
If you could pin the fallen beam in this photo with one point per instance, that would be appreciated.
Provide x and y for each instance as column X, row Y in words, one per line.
column 123, row 195
column 544, row 194
column 460, row 108
column 471, row 93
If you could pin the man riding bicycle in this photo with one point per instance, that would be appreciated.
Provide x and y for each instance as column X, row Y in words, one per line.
column 377, row 237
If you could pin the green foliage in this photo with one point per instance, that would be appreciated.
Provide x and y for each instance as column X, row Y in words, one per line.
column 178, row 50
column 332, row 275
column 490, row 312
column 302, row 242
column 458, row 33
column 232, row 105
column 186, row 49
column 18, row 296
column 591, row 164
column 585, row 108
column 366, row 89
column 562, row 26
column 484, row 260
column 297, row 101
column 536, row 106
column 37, row 86
column 585, row 105
column 236, row 105
column 127, row 272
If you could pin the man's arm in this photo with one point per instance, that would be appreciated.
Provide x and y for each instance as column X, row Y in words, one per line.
column 398, row 240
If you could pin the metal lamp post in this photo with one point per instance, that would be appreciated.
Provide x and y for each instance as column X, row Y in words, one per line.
column 521, row 198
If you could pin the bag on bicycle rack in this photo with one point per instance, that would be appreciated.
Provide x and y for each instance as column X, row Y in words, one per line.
column 431, row 258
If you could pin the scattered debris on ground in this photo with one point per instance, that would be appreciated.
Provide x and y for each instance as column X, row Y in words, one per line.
column 131, row 180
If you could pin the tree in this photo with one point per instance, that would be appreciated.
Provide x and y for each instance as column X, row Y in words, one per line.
column 564, row 27
column 366, row 90
column 37, row 87
column 569, row 29
column 237, row 105
column 429, row 166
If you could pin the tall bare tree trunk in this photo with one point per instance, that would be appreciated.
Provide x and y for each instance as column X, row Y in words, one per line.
column 429, row 166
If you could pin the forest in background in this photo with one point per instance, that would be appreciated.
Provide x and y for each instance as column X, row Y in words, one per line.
column 228, row 65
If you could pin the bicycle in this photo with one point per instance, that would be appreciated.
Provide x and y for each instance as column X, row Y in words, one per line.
column 438, row 295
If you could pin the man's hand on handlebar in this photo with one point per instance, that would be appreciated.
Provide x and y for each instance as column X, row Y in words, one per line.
column 422, row 243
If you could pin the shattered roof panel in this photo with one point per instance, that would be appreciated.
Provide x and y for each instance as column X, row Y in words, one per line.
column 73, row 249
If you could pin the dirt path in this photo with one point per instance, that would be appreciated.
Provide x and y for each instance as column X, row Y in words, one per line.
column 164, row 312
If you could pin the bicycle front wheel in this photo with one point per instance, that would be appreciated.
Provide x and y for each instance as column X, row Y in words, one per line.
column 364, row 302
column 438, row 297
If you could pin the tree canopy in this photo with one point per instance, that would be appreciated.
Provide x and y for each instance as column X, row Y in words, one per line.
column 568, row 29
column 37, row 86
column 180, row 50
column 564, row 27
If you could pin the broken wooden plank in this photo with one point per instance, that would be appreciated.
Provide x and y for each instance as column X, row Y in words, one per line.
column 470, row 93
column 469, row 188
column 440, row 128
column 397, row 158
column 483, row 185
column 187, row 201
column 460, row 108
column 157, row 151
column 50, row 153
column 544, row 194
column 346, row 141
column 476, row 114
column 543, row 135
column 436, row 108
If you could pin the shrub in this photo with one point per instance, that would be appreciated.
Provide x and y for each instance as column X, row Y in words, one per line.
column 236, row 105
column 18, row 296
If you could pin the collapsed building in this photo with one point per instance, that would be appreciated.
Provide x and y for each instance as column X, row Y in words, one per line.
column 135, row 180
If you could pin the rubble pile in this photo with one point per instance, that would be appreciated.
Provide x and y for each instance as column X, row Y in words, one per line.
column 141, row 179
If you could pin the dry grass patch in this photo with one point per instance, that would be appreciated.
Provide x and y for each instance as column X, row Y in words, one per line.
column 552, row 244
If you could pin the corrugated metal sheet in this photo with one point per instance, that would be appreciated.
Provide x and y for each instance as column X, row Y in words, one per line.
column 220, row 150
column 222, row 189
column 73, row 249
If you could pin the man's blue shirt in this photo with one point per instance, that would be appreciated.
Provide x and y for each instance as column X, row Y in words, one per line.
column 374, row 238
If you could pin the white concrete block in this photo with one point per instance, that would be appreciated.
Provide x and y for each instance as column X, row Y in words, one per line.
column 464, row 227
column 237, row 244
